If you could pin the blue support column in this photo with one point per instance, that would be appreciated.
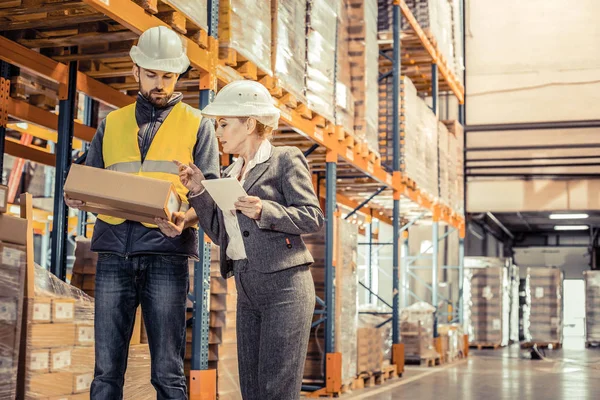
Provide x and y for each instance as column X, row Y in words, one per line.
column 434, row 274
column 405, row 267
column 435, row 89
column 396, row 167
column 64, row 149
column 5, row 75
column 330, row 200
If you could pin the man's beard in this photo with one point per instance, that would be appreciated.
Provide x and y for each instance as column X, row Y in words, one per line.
column 158, row 102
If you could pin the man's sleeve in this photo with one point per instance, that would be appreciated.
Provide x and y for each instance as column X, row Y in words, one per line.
column 206, row 152
column 94, row 156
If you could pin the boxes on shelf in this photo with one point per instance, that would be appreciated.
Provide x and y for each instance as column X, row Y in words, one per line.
column 592, row 307
column 345, row 101
column 486, row 300
column 456, row 164
column 84, row 266
column 345, row 299
column 289, row 45
column 195, row 11
column 118, row 194
column 364, row 56
column 545, row 323
column 245, row 26
column 12, row 278
column 416, row 331
column 3, row 199
column 320, row 56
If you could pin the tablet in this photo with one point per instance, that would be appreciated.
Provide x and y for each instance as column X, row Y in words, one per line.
column 225, row 192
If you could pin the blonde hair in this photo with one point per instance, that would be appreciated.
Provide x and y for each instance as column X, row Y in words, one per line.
column 263, row 131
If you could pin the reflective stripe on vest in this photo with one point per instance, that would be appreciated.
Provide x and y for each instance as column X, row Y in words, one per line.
column 174, row 140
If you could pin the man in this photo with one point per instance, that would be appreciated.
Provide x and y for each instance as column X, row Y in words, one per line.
column 141, row 263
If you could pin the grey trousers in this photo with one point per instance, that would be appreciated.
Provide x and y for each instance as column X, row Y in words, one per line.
column 274, row 315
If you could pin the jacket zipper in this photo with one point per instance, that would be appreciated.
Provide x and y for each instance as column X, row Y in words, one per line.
column 149, row 129
column 128, row 240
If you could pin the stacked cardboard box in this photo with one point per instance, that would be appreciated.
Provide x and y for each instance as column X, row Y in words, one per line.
column 444, row 164
column 346, row 321
column 418, row 134
column 289, row 45
column 246, row 27
column 546, row 312
column 345, row 102
column 364, row 53
column 416, row 331
column 12, row 276
column 222, row 337
column 84, row 267
column 487, row 299
column 592, row 307
column 195, row 10
column 455, row 165
column 370, row 350
column 320, row 56
column 453, row 340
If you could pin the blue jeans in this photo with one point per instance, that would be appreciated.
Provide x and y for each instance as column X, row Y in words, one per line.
column 160, row 284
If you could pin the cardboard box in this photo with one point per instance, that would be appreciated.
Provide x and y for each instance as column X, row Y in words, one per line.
column 46, row 336
column 82, row 382
column 82, row 359
column 3, row 199
column 63, row 310
column 38, row 361
column 61, row 359
column 9, row 310
column 84, row 334
column 40, row 310
column 122, row 195
column 13, row 229
column 56, row 384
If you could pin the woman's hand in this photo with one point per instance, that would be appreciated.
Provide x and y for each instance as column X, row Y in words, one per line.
column 250, row 206
column 191, row 177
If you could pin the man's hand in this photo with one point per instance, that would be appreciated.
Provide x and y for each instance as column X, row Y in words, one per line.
column 172, row 229
column 76, row 204
column 250, row 206
column 190, row 176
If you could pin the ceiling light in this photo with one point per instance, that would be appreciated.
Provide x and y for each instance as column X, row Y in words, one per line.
column 23, row 125
column 571, row 227
column 569, row 216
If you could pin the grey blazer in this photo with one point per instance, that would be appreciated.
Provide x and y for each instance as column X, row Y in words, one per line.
column 290, row 208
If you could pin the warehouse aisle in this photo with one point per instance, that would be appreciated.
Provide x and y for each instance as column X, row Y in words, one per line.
column 502, row 374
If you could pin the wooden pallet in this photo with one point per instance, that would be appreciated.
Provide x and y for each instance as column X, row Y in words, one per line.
column 423, row 361
column 542, row 345
column 485, row 346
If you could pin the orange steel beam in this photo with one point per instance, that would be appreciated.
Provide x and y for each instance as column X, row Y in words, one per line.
column 34, row 62
column 33, row 153
column 17, row 171
column 448, row 76
column 41, row 133
column 24, row 111
column 135, row 18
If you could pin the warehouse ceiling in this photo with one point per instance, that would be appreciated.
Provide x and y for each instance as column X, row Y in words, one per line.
column 532, row 222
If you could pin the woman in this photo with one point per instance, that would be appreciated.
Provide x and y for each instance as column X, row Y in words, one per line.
column 260, row 241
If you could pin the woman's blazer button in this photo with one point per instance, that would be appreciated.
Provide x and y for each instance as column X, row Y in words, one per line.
column 246, row 233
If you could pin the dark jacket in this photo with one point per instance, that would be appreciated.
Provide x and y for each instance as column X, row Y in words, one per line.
column 133, row 238
column 290, row 208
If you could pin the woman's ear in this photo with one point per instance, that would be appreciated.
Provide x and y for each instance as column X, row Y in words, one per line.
column 250, row 125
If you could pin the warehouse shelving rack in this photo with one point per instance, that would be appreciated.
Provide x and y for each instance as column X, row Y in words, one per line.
column 347, row 167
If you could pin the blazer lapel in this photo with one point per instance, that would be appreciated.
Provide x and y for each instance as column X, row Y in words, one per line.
column 255, row 174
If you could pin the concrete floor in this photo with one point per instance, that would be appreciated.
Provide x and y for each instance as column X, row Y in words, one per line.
column 500, row 374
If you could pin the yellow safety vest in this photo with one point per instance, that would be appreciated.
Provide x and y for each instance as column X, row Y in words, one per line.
column 175, row 140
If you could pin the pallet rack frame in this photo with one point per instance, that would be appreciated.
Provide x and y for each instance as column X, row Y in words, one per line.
column 206, row 60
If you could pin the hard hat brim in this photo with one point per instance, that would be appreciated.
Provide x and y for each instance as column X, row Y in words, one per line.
column 173, row 65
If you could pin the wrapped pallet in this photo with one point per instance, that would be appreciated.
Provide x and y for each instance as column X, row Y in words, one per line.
column 195, row 11
column 289, row 45
column 455, row 166
column 59, row 337
column 418, row 131
column 12, row 277
column 320, row 56
column 452, row 336
column 545, row 323
column 486, row 296
column 364, row 52
column 592, row 308
column 84, row 266
column 345, row 102
column 445, row 194
column 245, row 26
column 416, row 331
column 346, row 321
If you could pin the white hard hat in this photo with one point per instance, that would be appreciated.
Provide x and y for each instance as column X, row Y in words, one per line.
column 160, row 49
column 244, row 99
